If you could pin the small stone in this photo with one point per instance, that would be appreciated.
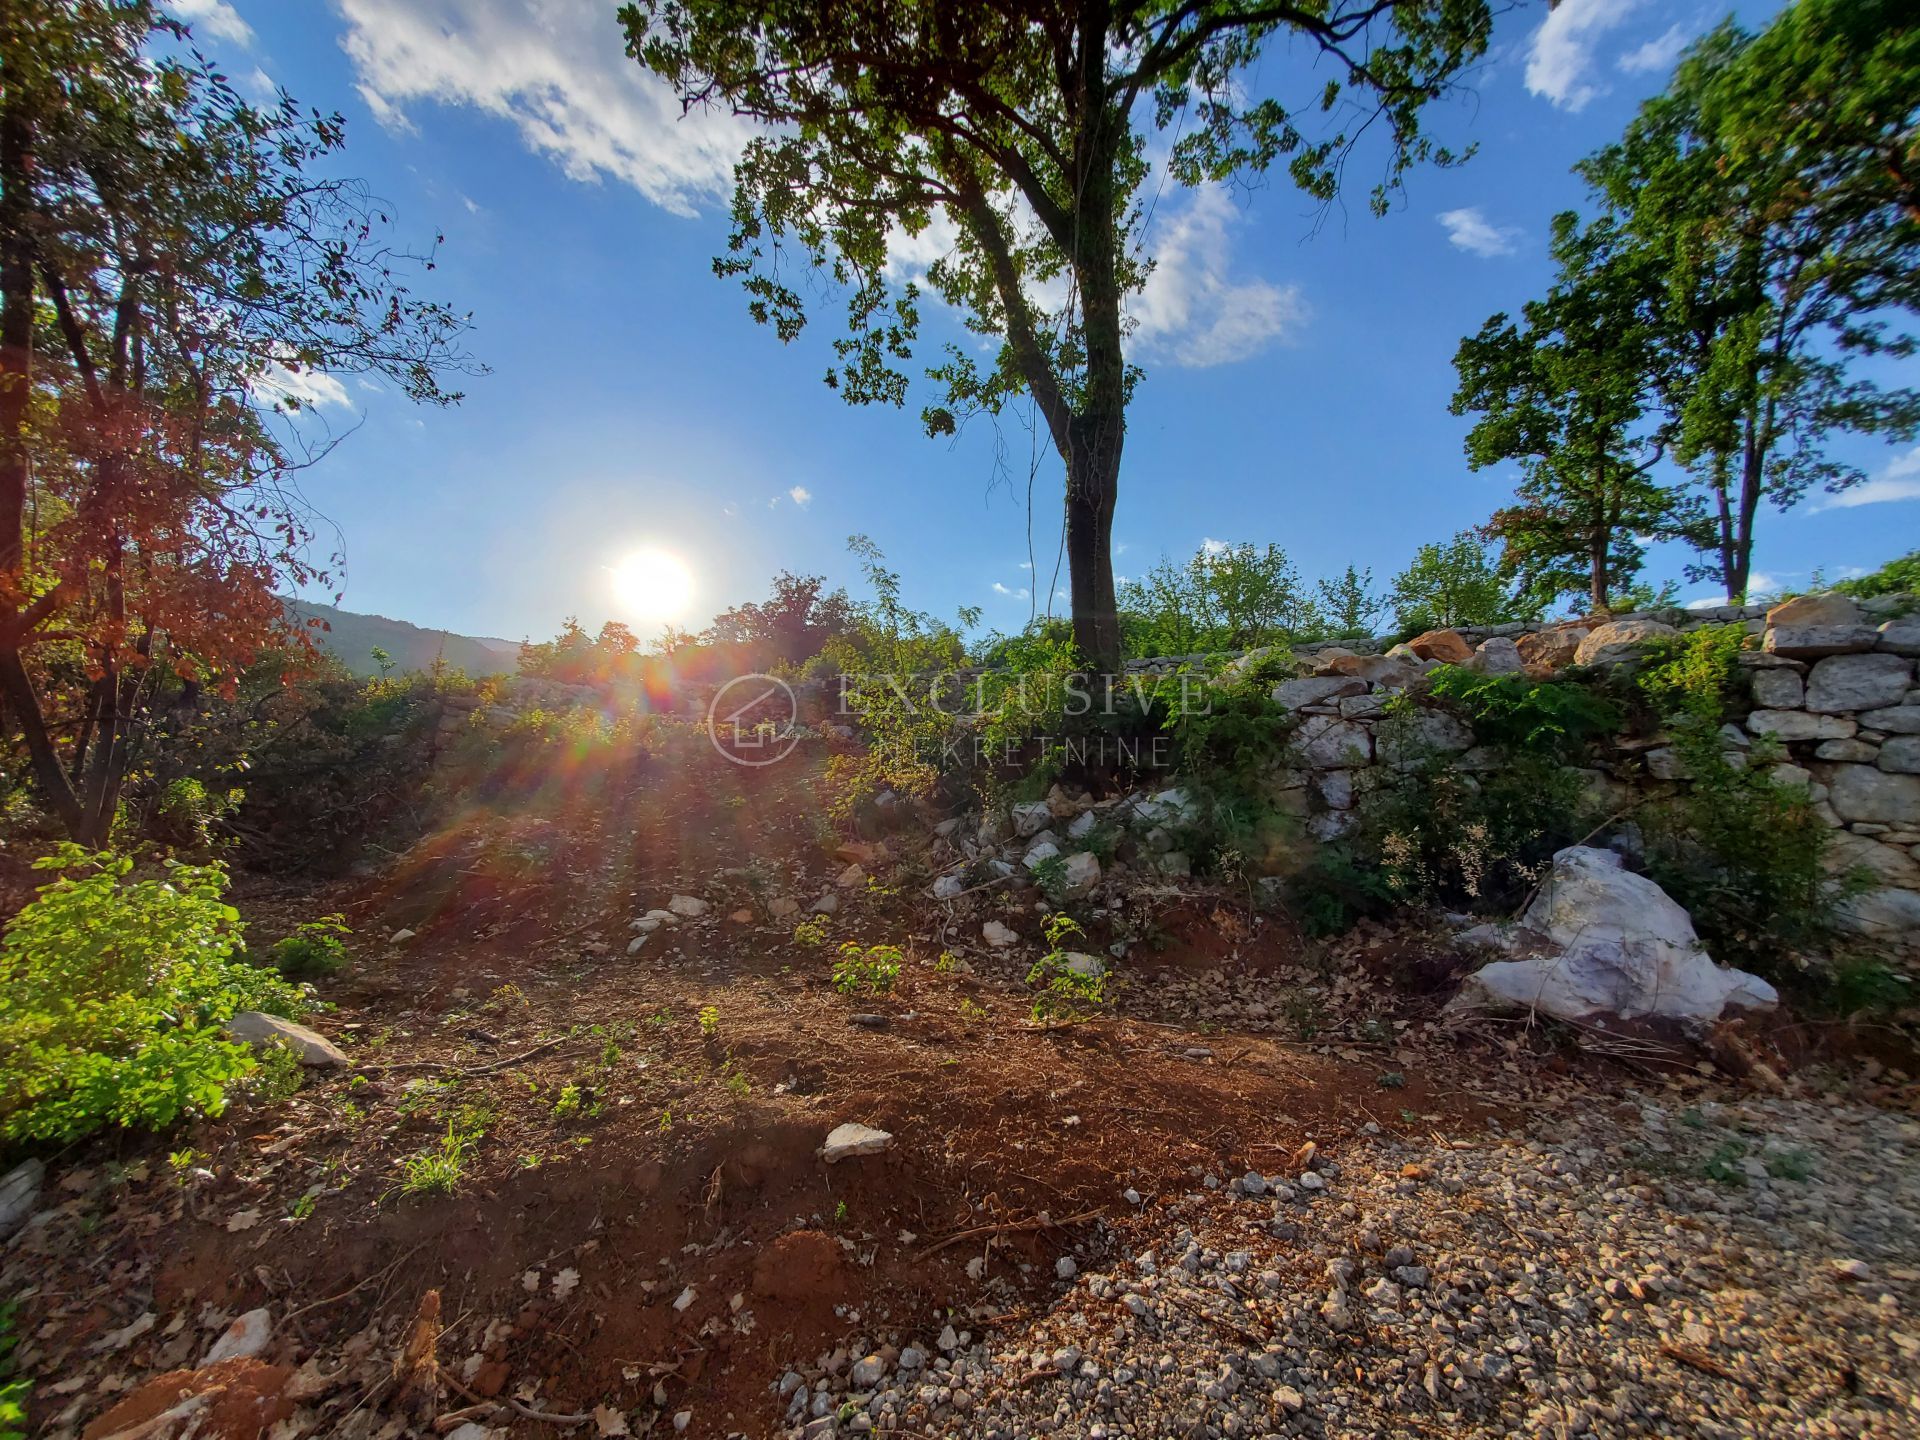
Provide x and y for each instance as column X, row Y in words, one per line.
column 949, row 887
column 688, row 907
column 252, row 1027
column 912, row 1358
column 1311, row 1182
column 1857, row 1270
column 1066, row 1267
column 998, row 935
column 19, row 1193
column 245, row 1338
column 844, row 1142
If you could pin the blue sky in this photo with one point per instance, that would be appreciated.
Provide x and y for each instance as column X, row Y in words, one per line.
column 1297, row 378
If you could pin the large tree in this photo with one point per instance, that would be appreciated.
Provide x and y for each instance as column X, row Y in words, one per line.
column 174, row 277
column 1567, row 392
column 1020, row 126
column 1772, row 186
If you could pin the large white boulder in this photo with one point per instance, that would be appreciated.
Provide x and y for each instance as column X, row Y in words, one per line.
column 310, row 1047
column 1615, row 946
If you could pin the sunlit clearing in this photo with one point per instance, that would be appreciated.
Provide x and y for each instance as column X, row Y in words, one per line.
column 653, row 585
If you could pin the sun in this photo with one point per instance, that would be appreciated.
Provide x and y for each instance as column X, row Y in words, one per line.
column 653, row 585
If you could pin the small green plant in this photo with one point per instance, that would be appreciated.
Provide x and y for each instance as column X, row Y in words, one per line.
column 735, row 1079
column 840, row 1213
column 181, row 1161
column 971, row 1010
column 313, row 951
column 709, row 1020
column 1391, row 1080
column 1050, row 875
column 1538, row 717
column 1795, row 1164
column 575, row 1102
column 1071, row 988
column 947, row 963
column 811, row 933
column 437, row 1171
column 116, row 991
column 13, row 1389
column 301, row 1209
column 871, row 971
column 1722, row 1165
column 610, row 1054
column 278, row 1077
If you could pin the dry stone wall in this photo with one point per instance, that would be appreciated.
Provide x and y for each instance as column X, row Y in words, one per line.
column 1831, row 683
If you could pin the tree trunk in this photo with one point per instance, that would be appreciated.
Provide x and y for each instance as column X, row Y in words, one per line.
column 16, row 329
column 1093, row 471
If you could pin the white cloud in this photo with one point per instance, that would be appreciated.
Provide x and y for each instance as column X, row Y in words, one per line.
column 800, row 496
column 1191, row 312
column 559, row 71
column 1759, row 583
column 1900, row 480
column 1471, row 231
column 214, row 18
column 1657, row 54
column 1212, row 546
column 1561, row 52
column 1019, row 594
column 299, row 388
column 260, row 87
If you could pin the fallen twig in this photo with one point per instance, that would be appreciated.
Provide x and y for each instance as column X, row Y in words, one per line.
column 525, row 1411
column 1699, row 1360
column 486, row 1069
column 354, row 1290
column 1008, row 1227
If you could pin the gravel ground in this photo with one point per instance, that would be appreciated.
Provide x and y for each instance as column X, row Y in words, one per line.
column 1740, row 1268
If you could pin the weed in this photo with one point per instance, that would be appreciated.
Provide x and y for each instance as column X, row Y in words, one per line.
column 709, row 1020
column 302, row 1209
column 13, row 1391
column 610, row 1054
column 840, row 1213
column 1793, row 1164
column 970, row 1010
column 811, row 933
column 735, row 1080
column 437, row 1171
column 1723, row 1165
column 278, row 1077
column 575, row 1102
column 1071, row 988
column 871, row 971
column 947, row 963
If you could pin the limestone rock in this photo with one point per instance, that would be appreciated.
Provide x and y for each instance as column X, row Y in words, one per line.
column 1325, row 743
column 251, row 1027
column 1618, row 947
column 1858, row 752
column 1799, row 725
column 1829, row 607
column 1865, row 792
column 1546, row 652
column 1083, row 873
column 19, row 1193
column 1449, row 647
column 1889, row 915
column 1901, row 636
column 1898, row 720
column 1901, row 755
column 844, row 1142
column 1171, row 806
column 1619, row 640
column 1090, row 967
column 1040, row 854
column 1031, row 818
column 1780, row 689
column 1842, row 684
column 1811, row 626
column 1316, row 690
column 1389, row 672
column 688, row 907
column 998, row 935
column 245, row 1338
column 949, row 887
column 1498, row 656
column 1425, row 733
column 1335, row 788
column 1888, row 864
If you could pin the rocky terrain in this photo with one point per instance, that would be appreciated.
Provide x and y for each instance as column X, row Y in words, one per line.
column 1646, row 1268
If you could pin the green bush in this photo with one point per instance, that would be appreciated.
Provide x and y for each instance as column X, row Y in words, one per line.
column 116, row 992
column 1541, row 717
column 1896, row 577
column 313, row 951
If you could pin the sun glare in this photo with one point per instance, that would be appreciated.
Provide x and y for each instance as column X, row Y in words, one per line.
column 653, row 585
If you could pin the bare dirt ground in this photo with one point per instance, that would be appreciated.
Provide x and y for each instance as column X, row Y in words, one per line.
column 640, row 1231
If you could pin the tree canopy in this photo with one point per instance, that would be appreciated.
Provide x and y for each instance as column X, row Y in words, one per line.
column 1018, row 130
column 174, row 270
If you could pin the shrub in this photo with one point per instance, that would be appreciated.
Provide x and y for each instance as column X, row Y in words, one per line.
column 13, row 1390
column 1067, row 994
column 1539, row 717
column 872, row 970
column 116, row 991
column 1896, row 577
column 313, row 951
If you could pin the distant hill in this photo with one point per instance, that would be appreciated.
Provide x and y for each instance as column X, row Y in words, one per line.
column 353, row 637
